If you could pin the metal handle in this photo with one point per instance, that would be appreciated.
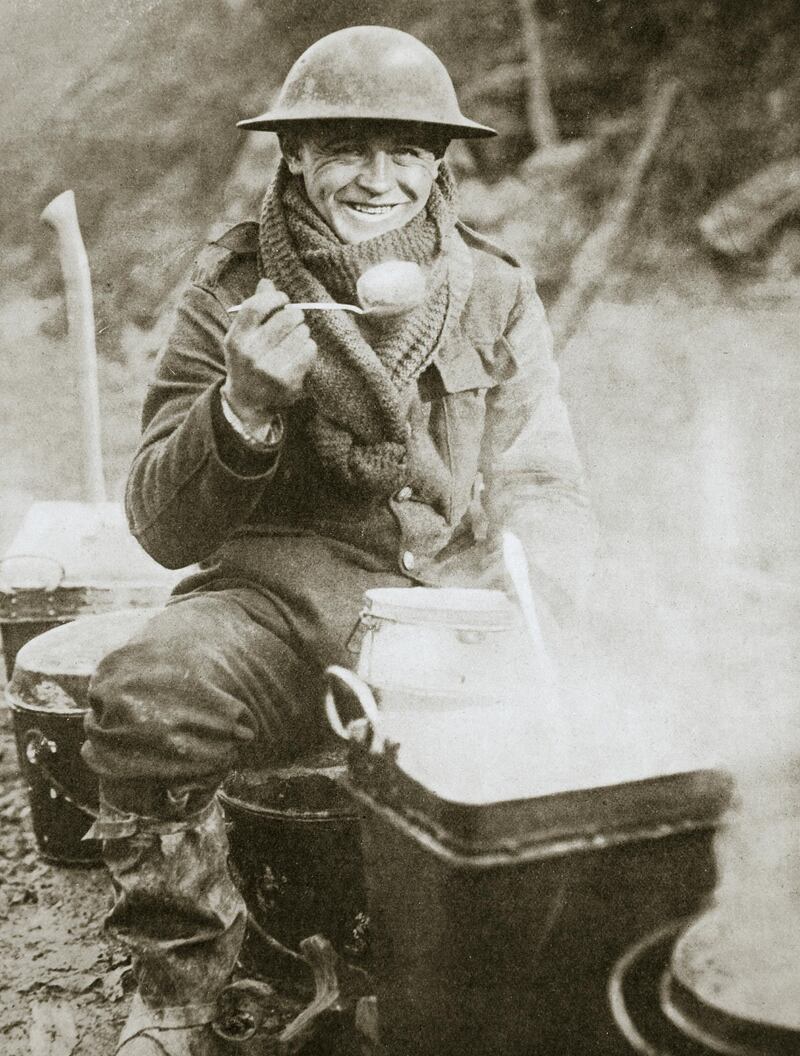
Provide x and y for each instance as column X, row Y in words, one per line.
column 363, row 694
column 38, row 747
column 62, row 215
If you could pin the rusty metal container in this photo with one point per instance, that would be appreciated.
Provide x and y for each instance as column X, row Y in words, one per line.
column 70, row 559
column 295, row 850
column 48, row 698
column 496, row 925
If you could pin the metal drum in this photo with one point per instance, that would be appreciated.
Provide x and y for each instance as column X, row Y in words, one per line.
column 73, row 559
column 295, row 851
column 442, row 648
column 670, row 996
column 48, row 698
column 731, row 990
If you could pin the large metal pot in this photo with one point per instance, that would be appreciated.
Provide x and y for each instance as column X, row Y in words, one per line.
column 496, row 924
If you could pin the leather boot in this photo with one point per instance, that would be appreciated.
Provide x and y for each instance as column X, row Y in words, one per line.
column 180, row 913
column 165, row 1032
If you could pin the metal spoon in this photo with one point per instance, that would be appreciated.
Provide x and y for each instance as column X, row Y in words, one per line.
column 391, row 288
column 320, row 306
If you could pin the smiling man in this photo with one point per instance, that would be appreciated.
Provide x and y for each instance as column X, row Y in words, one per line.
column 365, row 179
column 301, row 457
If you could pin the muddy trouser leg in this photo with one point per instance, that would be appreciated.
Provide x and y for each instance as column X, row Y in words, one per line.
column 214, row 680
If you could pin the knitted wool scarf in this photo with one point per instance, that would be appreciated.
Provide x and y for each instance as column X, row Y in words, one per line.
column 361, row 380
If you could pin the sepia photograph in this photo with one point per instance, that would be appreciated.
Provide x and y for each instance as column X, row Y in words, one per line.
column 400, row 528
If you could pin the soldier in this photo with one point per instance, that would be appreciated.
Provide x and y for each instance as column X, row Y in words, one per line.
column 300, row 458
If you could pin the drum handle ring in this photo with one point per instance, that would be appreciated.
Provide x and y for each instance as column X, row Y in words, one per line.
column 37, row 745
column 362, row 693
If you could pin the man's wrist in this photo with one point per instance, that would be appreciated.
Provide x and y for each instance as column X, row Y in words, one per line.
column 264, row 437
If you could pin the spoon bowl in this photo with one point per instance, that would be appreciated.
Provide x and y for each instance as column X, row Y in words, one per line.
column 393, row 287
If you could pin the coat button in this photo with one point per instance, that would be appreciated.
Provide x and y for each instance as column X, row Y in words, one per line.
column 404, row 493
column 408, row 561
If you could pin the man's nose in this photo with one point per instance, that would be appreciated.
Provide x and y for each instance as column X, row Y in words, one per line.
column 377, row 173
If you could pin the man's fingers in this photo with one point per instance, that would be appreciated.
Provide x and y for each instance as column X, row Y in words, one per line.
column 282, row 323
column 298, row 350
column 306, row 353
column 297, row 355
column 269, row 349
column 265, row 302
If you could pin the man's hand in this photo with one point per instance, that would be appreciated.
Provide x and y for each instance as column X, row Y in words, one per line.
column 268, row 353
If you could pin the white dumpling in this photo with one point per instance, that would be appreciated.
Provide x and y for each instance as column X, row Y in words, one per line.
column 392, row 287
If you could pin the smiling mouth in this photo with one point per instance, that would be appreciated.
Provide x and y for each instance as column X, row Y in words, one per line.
column 372, row 210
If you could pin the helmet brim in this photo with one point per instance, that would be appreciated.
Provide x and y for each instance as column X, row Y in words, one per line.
column 273, row 121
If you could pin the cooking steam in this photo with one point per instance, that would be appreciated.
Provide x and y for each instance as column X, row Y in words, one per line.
column 685, row 655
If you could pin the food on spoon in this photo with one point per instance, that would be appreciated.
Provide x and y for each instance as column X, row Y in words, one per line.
column 391, row 288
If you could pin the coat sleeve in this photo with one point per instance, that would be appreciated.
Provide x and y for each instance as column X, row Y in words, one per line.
column 533, row 478
column 191, row 481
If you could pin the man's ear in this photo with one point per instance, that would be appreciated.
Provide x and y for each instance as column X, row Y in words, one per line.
column 293, row 162
column 440, row 153
column 290, row 149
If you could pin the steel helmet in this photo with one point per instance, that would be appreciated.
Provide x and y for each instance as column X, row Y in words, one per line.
column 369, row 73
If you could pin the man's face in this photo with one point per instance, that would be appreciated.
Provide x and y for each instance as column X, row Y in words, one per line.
column 365, row 181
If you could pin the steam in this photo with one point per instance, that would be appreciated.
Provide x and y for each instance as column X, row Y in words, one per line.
column 689, row 649
column 742, row 956
column 686, row 654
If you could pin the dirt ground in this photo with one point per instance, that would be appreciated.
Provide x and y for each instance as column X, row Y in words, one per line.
column 62, row 983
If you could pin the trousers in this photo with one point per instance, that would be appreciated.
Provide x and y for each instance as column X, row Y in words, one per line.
column 229, row 674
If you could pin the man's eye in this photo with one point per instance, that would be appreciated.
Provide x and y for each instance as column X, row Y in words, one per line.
column 343, row 148
column 409, row 153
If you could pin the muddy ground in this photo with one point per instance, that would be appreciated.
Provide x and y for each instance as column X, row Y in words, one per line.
column 62, row 983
